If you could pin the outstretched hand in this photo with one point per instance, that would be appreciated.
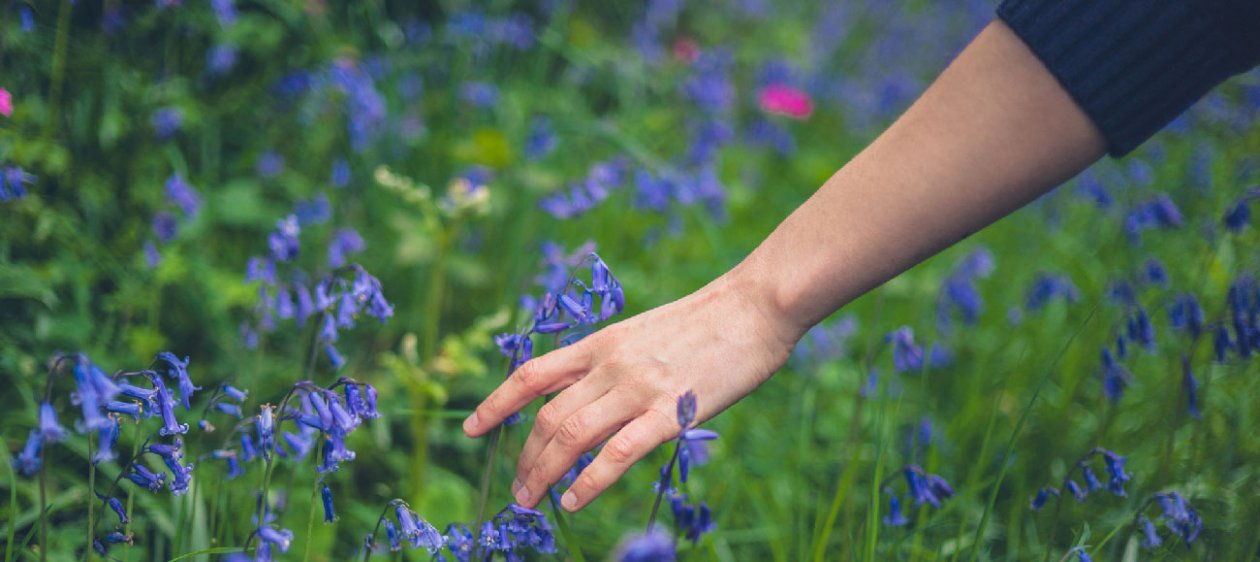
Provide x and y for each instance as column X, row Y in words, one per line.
column 621, row 385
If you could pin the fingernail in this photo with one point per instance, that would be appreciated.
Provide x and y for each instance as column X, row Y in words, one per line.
column 569, row 501
column 470, row 424
column 522, row 495
column 516, row 485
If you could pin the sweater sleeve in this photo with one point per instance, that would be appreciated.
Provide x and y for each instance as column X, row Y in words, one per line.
column 1134, row 65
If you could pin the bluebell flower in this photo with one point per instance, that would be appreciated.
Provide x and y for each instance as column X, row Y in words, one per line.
column 235, row 393
column 959, row 291
column 1179, row 516
column 1186, row 314
column 907, row 355
column 316, row 210
column 261, row 269
column 116, row 506
column 334, row 358
column 1221, row 343
column 107, row 438
column 266, row 430
column 182, row 475
column 1047, row 287
column 895, row 517
column 1160, row 212
column 1122, row 292
column 1191, row 386
column 693, row 448
column 1091, row 480
column 709, row 86
column 1155, row 272
column 225, row 11
column 283, row 241
column 167, row 121
column 27, row 18
column 1075, row 489
column 327, row 497
column 391, row 534
column 541, row 139
column 145, row 478
column 281, row 538
column 1150, row 538
column 248, row 450
column 28, row 462
column 686, row 409
column 50, row 431
column 166, row 408
column 1141, row 330
column 1239, row 215
column 95, row 389
column 344, row 243
column 767, row 133
column 1043, row 495
column 183, row 195
column 418, row 531
column 1115, row 469
column 479, row 94
column 165, row 226
column 1115, row 377
column 459, row 541
column 179, row 370
column 340, row 176
column 133, row 409
column 691, row 520
column 1081, row 555
column 221, row 58
column 653, row 546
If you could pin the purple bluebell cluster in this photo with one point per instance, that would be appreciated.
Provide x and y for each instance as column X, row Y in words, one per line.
column 512, row 532
column 651, row 546
column 921, row 487
column 959, row 293
column 825, row 342
column 1113, row 467
column 910, row 357
column 331, row 416
column 602, row 179
column 1048, row 287
column 566, row 311
column 13, row 182
column 691, row 519
column 1157, row 213
column 1178, row 515
column 166, row 122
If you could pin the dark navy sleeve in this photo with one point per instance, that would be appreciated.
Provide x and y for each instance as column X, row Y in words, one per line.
column 1135, row 65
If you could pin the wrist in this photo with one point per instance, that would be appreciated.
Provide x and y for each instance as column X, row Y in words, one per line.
column 757, row 293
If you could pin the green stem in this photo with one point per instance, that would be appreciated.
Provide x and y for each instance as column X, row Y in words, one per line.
column 11, row 549
column 87, row 553
column 58, row 72
column 135, row 450
column 310, row 520
column 43, row 507
column 666, row 477
column 495, row 438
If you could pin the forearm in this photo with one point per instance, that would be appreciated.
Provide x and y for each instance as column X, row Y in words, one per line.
column 993, row 132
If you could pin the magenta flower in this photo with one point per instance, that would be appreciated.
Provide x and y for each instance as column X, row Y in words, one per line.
column 6, row 103
column 785, row 100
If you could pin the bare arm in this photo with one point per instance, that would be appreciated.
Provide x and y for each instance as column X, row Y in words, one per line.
column 992, row 133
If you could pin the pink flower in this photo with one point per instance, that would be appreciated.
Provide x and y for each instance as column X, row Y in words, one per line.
column 785, row 100
column 686, row 50
column 6, row 103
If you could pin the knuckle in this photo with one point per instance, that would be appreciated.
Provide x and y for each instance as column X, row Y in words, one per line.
column 546, row 422
column 571, row 431
column 620, row 449
column 588, row 481
column 529, row 375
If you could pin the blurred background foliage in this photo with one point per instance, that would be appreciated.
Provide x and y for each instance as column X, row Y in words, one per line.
column 458, row 137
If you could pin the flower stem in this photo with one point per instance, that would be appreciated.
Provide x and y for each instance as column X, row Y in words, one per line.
column 667, row 476
column 495, row 438
column 87, row 553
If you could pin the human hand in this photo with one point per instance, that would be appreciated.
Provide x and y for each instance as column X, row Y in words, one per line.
column 622, row 384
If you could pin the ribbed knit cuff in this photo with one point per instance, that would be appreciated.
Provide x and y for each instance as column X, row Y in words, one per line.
column 1134, row 65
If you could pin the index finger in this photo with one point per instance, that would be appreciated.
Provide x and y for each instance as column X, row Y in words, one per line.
column 538, row 376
